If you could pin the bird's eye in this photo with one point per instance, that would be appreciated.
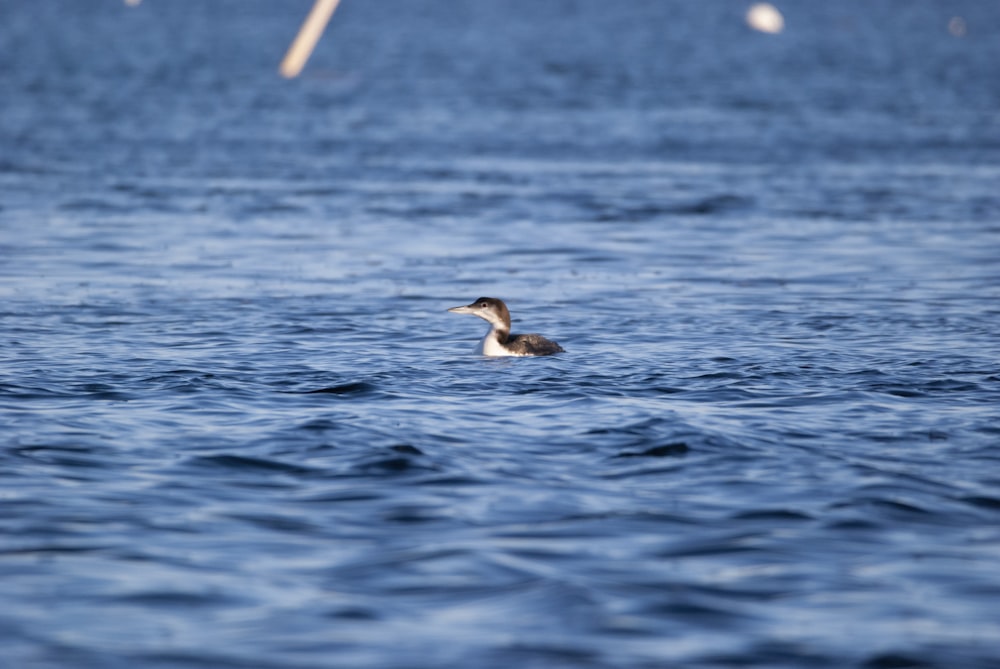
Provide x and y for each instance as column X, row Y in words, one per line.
column 482, row 305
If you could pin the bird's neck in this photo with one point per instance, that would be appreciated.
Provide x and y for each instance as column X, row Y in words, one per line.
column 500, row 333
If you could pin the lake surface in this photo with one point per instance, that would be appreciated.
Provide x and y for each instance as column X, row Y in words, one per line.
column 238, row 427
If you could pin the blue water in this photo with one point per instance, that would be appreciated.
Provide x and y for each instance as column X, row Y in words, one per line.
column 238, row 427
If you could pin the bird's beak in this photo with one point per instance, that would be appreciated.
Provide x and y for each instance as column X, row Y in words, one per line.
column 461, row 310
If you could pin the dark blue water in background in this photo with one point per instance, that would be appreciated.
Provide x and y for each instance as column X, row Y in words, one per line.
column 239, row 429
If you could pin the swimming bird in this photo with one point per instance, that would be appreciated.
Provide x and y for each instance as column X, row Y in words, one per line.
column 499, row 341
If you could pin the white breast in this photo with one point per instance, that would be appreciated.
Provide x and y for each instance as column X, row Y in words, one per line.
column 491, row 347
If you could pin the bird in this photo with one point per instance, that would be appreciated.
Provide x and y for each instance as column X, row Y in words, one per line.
column 499, row 341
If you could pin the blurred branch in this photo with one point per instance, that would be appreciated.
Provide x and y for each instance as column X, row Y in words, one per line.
column 309, row 34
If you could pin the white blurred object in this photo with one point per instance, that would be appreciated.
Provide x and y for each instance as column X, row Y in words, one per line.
column 766, row 18
column 133, row 3
column 310, row 32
